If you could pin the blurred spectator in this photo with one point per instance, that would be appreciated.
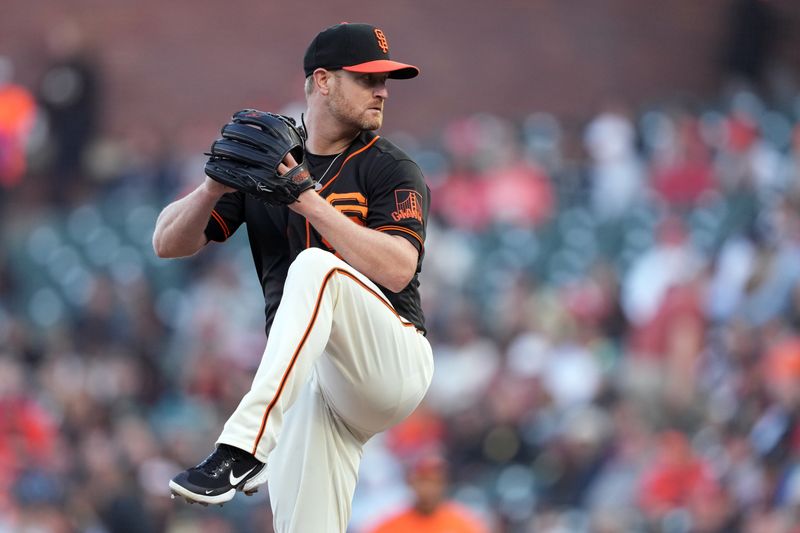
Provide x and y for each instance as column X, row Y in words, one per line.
column 431, row 512
column 423, row 430
column 616, row 174
column 69, row 92
column 27, row 430
column 675, row 477
column 469, row 355
column 17, row 115
column 613, row 495
column 681, row 170
column 727, row 289
column 519, row 194
column 789, row 173
column 575, row 456
column 782, row 377
column 738, row 145
column 774, row 276
column 461, row 199
column 671, row 261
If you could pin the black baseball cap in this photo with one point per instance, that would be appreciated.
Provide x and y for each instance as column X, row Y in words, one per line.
column 355, row 48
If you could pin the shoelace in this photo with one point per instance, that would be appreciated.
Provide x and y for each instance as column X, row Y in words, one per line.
column 215, row 462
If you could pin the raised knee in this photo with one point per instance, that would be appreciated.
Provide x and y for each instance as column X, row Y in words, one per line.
column 314, row 260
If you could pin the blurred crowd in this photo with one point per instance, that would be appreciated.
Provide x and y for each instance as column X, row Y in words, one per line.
column 613, row 305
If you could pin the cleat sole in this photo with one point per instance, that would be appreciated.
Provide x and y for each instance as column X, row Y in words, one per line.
column 192, row 497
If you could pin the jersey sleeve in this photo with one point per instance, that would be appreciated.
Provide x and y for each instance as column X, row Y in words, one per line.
column 226, row 217
column 399, row 203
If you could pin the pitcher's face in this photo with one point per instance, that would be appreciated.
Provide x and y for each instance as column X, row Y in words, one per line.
column 357, row 99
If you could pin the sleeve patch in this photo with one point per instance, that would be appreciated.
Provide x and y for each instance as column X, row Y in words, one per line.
column 408, row 205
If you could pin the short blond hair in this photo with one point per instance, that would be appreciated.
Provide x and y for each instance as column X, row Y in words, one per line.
column 309, row 85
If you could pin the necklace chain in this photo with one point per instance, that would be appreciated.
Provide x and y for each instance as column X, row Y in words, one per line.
column 319, row 181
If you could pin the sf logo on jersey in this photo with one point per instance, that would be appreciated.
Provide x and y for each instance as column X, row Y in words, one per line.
column 351, row 204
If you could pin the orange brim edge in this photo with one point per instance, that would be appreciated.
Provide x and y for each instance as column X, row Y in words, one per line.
column 396, row 70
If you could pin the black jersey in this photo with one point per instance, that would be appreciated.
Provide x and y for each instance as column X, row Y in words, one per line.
column 266, row 231
column 373, row 183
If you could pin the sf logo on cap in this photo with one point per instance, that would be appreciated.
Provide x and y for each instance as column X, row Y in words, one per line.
column 382, row 42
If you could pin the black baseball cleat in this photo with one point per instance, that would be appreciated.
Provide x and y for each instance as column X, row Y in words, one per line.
column 219, row 476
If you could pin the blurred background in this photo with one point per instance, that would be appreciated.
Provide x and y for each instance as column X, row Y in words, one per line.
column 611, row 284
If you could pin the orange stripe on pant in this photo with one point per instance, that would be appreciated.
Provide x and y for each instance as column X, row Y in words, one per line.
column 302, row 342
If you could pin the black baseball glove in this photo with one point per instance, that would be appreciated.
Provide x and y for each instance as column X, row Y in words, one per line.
column 247, row 157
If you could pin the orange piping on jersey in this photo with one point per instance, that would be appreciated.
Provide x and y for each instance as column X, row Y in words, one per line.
column 308, row 234
column 221, row 223
column 307, row 332
column 404, row 230
column 349, row 157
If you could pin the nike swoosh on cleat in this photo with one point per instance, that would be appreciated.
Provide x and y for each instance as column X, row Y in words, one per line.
column 235, row 480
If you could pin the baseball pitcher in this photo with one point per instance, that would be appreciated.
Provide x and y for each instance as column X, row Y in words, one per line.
column 335, row 216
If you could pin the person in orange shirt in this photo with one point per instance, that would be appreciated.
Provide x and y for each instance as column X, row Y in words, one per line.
column 17, row 113
column 431, row 511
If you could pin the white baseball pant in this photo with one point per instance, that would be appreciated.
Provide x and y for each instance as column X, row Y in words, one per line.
column 340, row 365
